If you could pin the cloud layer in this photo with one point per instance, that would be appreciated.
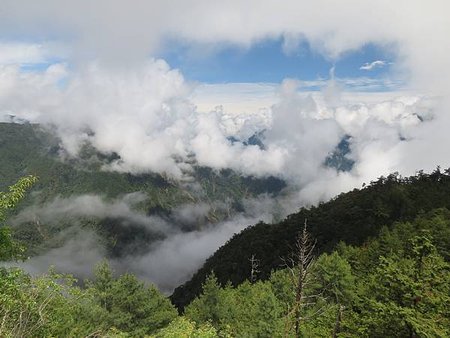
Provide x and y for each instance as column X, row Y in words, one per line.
column 167, row 261
column 145, row 116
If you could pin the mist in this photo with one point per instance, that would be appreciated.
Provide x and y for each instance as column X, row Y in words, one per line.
column 168, row 261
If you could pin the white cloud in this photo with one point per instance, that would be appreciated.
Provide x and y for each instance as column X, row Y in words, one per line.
column 235, row 98
column 78, row 256
column 145, row 115
column 116, row 29
column 73, row 208
column 121, row 32
column 29, row 54
column 256, row 98
column 21, row 53
column 373, row 65
column 172, row 261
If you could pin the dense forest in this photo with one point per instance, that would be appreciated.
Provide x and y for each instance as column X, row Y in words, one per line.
column 353, row 218
column 370, row 263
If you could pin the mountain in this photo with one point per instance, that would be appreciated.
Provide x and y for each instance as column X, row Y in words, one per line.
column 32, row 149
column 339, row 157
column 351, row 217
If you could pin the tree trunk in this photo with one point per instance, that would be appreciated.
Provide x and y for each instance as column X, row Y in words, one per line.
column 337, row 325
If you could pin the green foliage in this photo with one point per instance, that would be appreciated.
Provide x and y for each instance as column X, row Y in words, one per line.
column 207, row 306
column 250, row 310
column 415, row 288
column 402, row 280
column 15, row 194
column 53, row 306
column 282, row 285
column 130, row 305
column 185, row 328
column 334, row 278
column 9, row 248
column 395, row 285
column 102, row 284
column 382, row 268
column 48, row 306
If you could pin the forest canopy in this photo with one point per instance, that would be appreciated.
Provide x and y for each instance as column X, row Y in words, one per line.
column 391, row 280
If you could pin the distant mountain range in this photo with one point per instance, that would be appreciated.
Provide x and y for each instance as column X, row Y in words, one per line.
column 31, row 149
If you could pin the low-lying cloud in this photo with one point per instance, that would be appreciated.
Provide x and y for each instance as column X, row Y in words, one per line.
column 172, row 261
column 93, row 206
column 167, row 262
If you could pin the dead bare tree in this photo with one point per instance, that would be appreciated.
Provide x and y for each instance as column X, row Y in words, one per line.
column 254, row 265
column 300, row 267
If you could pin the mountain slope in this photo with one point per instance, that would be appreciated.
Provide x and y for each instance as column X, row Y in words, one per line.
column 352, row 217
column 30, row 149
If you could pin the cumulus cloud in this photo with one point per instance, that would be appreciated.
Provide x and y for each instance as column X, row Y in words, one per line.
column 235, row 98
column 143, row 115
column 299, row 131
column 146, row 117
column 143, row 112
column 126, row 30
column 143, row 22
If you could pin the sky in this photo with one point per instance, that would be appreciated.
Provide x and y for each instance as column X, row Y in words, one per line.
column 166, row 85
column 267, row 61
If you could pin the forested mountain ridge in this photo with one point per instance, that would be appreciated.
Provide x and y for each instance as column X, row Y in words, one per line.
column 351, row 217
column 32, row 149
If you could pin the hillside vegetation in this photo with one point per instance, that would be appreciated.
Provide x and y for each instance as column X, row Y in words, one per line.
column 395, row 283
column 352, row 218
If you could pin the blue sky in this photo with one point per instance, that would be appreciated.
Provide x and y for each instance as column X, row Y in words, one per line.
column 266, row 62
column 262, row 62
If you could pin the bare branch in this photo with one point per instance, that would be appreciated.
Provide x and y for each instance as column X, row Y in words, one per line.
column 254, row 269
column 300, row 265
